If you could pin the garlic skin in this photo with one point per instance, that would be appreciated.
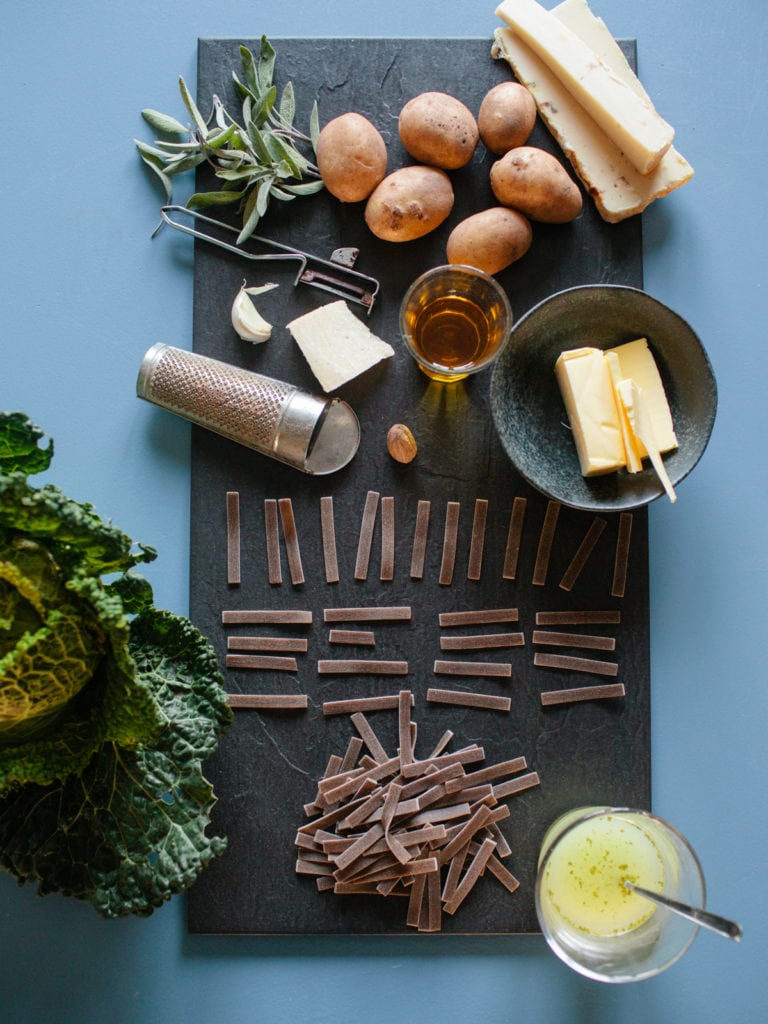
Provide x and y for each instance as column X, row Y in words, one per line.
column 249, row 324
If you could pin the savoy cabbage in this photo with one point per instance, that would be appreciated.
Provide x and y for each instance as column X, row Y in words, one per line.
column 108, row 706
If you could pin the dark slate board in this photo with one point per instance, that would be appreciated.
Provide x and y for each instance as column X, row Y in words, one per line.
column 268, row 764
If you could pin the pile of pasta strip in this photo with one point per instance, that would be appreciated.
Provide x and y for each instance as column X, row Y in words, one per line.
column 424, row 829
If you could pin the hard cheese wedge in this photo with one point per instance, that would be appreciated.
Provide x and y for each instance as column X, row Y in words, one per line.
column 587, row 390
column 627, row 117
column 616, row 186
column 337, row 345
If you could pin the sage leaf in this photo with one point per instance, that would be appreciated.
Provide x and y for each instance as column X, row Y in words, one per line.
column 191, row 106
column 163, row 122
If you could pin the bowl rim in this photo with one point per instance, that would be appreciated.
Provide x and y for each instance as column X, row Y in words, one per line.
column 602, row 505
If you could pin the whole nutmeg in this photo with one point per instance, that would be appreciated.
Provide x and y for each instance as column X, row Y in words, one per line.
column 401, row 443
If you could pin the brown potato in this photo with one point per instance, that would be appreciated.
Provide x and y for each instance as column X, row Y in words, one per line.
column 409, row 203
column 351, row 157
column 439, row 130
column 506, row 117
column 534, row 182
column 490, row 240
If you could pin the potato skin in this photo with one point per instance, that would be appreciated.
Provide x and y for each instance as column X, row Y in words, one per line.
column 490, row 240
column 506, row 117
column 438, row 130
column 409, row 203
column 351, row 157
column 534, row 182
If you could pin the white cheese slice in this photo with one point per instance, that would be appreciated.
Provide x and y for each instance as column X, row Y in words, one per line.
column 585, row 384
column 337, row 345
column 617, row 188
column 627, row 117
column 636, row 363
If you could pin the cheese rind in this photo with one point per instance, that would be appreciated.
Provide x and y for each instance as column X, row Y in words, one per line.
column 627, row 117
column 336, row 344
column 587, row 391
column 617, row 188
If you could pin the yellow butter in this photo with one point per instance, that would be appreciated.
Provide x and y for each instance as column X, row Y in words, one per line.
column 637, row 363
column 585, row 384
column 633, row 448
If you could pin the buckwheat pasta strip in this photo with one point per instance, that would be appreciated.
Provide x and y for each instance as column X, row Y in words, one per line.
column 512, row 786
column 546, row 539
column 328, row 533
column 296, row 644
column 481, row 641
column 361, row 666
column 405, row 734
column 387, row 538
column 472, row 700
column 584, row 550
column 233, row 537
column 621, row 561
column 514, row 538
column 292, row 551
column 420, row 534
column 262, row 662
column 578, row 618
column 274, row 567
column 473, row 872
column 483, row 617
column 351, row 636
column 267, row 616
column 477, row 543
column 349, row 706
column 385, row 613
column 555, row 639
column 268, row 701
column 450, row 540
column 580, row 693
column 488, row 669
column 573, row 664
column 365, row 540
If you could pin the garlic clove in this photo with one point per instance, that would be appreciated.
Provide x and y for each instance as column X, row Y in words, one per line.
column 249, row 324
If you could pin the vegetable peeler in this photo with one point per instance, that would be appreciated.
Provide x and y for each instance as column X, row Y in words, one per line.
column 335, row 275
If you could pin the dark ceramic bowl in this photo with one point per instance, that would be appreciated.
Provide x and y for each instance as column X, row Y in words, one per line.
column 529, row 414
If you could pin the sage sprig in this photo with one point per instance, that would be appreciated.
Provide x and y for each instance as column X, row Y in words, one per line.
column 261, row 157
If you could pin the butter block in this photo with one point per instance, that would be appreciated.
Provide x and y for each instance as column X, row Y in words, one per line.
column 636, row 363
column 336, row 344
column 616, row 186
column 633, row 448
column 626, row 116
column 587, row 390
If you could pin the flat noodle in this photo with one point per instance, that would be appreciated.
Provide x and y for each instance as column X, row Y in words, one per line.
column 482, row 617
column 483, row 669
column 514, row 538
column 450, row 541
column 233, row 537
column 292, row 550
column 369, row 737
column 360, row 667
column 420, row 534
column 571, row 663
column 512, row 786
column 328, row 532
column 387, row 539
column 271, row 530
column 477, row 543
column 365, row 541
column 261, row 662
column 441, row 744
column 433, row 921
column 471, row 700
column 481, row 641
column 385, row 613
column 297, row 644
column 405, row 734
column 580, row 693
column 578, row 618
column 621, row 561
column 554, row 639
column 507, row 879
column 584, row 550
column 473, row 872
column 546, row 539
column 266, row 617
column 354, row 704
column 482, row 775
column 351, row 636
column 413, row 916
column 268, row 701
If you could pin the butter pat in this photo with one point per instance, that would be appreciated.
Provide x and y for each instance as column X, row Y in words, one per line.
column 636, row 363
column 618, row 189
column 587, row 390
column 626, row 117
column 337, row 345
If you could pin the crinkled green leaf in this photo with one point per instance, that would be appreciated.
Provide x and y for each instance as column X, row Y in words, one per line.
column 20, row 451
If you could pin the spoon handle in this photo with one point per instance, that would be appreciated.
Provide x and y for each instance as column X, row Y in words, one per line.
column 714, row 922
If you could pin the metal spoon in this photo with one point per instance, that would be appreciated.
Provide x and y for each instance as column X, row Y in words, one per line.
column 714, row 922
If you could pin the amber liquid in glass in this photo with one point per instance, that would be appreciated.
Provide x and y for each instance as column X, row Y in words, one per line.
column 451, row 331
